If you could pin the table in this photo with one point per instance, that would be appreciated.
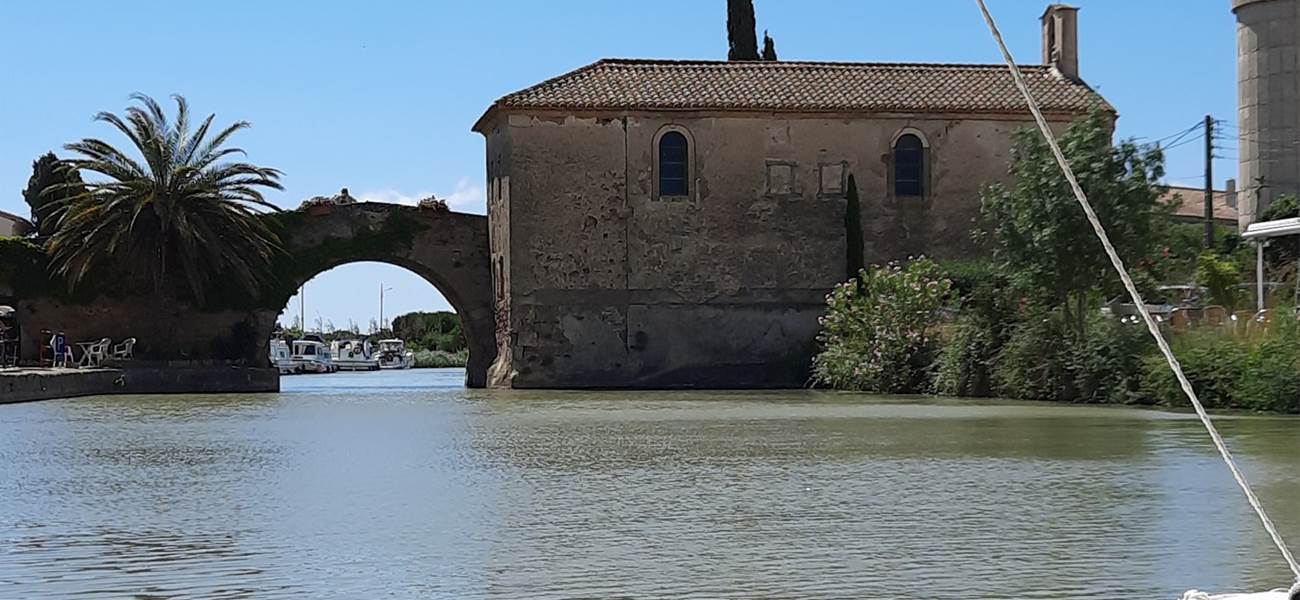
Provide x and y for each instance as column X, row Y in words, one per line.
column 85, row 354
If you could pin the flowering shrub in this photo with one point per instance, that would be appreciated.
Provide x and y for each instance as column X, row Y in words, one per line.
column 876, row 334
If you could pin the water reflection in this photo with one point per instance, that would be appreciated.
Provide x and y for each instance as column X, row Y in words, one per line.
column 404, row 485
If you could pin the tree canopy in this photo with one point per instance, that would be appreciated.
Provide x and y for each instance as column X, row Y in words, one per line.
column 179, row 214
column 50, row 185
column 1037, row 229
column 430, row 330
column 742, row 39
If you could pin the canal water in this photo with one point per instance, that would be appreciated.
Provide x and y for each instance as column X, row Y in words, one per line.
column 404, row 485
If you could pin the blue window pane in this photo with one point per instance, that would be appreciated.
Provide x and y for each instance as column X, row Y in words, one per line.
column 673, row 176
column 909, row 166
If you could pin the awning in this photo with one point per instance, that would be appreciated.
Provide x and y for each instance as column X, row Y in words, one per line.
column 1268, row 229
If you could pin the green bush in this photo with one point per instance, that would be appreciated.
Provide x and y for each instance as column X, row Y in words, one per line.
column 1030, row 365
column 439, row 359
column 1107, row 366
column 966, row 357
column 876, row 332
column 987, row 304
column 1231, row 368
column 1211, row 360
column 1270, row 377
column 1220, row 277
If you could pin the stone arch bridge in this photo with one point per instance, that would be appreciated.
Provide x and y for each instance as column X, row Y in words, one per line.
column 448, row 249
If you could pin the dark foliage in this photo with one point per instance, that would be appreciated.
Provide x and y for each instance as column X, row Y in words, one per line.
column 49, row 187
column 853, row 241
column 430, row 331
column 742, row 39
column 769, row 47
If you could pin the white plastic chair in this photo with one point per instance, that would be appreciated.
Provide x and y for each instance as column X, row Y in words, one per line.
column 95, row 354
column 124, row 350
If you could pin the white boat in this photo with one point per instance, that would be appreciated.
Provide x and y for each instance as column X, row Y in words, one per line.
column 312, row 356
column 281, row 358
column 394, row 355
column 353, row 355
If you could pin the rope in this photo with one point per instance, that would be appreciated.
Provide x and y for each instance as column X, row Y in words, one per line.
column 1137, row 298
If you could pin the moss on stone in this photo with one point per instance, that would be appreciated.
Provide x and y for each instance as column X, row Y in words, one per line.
column 393, row 235
column 24, row 268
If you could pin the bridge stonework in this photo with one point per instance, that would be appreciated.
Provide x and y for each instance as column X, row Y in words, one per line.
column 448, row 249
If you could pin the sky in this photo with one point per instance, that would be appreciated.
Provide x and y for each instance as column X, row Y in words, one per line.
column 379, row 96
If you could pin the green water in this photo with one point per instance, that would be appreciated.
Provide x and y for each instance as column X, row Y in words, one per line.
column 403, row 485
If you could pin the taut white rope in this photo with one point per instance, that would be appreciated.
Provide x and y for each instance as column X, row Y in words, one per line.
column 1136, row 297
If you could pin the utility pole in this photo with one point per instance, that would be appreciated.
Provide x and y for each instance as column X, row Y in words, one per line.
column 302, row 309
column 1209, row 182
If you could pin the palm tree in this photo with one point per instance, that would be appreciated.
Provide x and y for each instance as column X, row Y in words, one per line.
column 180, row 217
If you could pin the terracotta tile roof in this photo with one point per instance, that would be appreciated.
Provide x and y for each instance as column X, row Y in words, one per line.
column 1189, row 204
column 622, row 84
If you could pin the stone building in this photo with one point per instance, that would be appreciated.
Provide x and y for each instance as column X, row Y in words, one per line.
column 666, row 223
column 12, row 225
column 1268, row 101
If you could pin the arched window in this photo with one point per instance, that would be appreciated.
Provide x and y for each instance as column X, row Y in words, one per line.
column 674, row 165
column 909, row 166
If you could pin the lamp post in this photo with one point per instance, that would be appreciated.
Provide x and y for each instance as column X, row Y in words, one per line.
column 382, row 289
column 302, row 309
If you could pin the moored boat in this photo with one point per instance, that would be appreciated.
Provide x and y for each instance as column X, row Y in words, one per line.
column 394, row 355
column 281, row 358
column 353, row 355
column 312, row 356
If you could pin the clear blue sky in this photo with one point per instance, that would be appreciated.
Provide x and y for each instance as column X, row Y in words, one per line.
column 379, row 96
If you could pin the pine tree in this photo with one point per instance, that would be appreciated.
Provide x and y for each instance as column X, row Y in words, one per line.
column 741, row 38
column 769, row 47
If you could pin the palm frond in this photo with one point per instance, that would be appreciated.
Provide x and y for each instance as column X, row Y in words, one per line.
column 171, row 211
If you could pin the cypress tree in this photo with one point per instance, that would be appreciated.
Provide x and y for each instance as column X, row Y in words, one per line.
column 47, row 172
column 741, row 39
column 854, row 244
column 769, row 47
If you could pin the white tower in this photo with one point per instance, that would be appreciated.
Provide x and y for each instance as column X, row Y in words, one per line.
column 1268, row 102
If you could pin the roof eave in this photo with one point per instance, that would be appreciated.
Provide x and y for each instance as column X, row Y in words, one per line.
column 480, row 126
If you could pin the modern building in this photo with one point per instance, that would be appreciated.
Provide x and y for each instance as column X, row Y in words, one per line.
column 668, row 223
column 1268, row 101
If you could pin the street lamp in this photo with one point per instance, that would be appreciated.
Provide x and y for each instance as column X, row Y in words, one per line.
column 382, row 289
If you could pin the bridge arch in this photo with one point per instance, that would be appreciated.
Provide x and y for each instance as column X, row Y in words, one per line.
column 448, row 249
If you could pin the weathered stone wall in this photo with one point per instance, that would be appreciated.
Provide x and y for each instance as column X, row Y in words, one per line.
column 498, row 206
column 611, row 286
column 163, row 328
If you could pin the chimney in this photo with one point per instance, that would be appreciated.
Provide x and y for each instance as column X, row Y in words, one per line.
column 1061, row 39
column 1230, row 194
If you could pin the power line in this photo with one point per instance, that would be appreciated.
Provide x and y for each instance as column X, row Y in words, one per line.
column 1199, row 136
column 1178, row 134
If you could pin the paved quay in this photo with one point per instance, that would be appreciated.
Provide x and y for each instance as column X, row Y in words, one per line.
column 25, row 384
